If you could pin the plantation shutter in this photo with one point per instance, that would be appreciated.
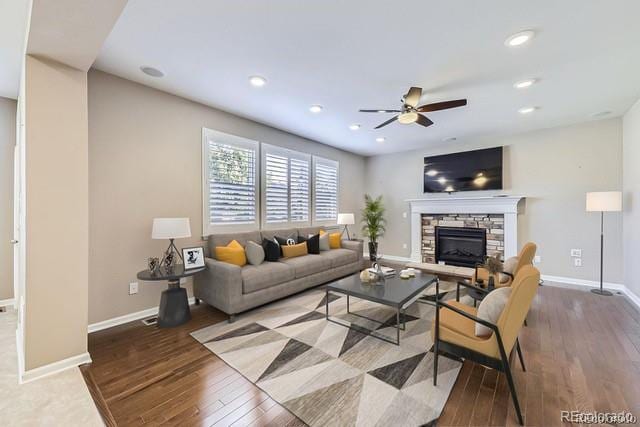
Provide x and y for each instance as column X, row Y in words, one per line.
column 230, row 178
column 276, row 188
column 300, row 189
column 325, row 190
column 286, row 186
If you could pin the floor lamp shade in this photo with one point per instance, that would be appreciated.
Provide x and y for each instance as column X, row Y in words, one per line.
column 604, row 201
column 171, row 228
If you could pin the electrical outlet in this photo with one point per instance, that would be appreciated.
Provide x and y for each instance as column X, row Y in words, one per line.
column 133, row 288
column 577, row 262
column 576, row 253
column 537, row 259
column 404, row 214
column 404, row 246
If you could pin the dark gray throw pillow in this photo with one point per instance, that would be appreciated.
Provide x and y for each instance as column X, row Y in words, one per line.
column 313, row 243
column 271, row 250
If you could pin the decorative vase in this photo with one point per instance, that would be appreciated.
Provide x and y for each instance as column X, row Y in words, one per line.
column 373, row 251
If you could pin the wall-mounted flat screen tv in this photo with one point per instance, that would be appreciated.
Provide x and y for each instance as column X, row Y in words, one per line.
column 468, row 171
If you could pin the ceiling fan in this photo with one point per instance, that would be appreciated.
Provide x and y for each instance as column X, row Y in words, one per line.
column 410, row 112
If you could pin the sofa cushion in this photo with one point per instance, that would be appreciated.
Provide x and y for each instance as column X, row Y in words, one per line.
column 308, row 231
column 265, row 275
column 285, row 233
column 255, row 253
column 324, row 241
column 226, row 238
column 308, row 264
column 233, row 253
column 340, row 257
column 313, row 243
column 334, row 240
column 271, row 250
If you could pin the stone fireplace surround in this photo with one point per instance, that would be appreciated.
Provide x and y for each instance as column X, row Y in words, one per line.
column 475, row 206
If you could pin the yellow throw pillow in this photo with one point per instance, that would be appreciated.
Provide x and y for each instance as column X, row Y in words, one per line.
column 322, row 232
column 291, row 251
column 334, row 240
column 233, row 253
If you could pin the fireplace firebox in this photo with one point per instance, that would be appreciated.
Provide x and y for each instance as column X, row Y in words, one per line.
column 460, row 246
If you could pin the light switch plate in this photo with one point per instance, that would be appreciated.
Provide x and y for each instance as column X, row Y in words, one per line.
column 133, row 288
column 577, row 262
column 577, row 253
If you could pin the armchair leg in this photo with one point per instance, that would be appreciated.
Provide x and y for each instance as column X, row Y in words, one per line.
column 457, row 292
column 512, row 389
column 435, row 363
column 519, row 350
column 197, row 301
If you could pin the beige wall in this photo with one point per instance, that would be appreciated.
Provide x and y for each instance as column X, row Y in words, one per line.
column 7, row 142
column 553, row 168
column 631, row 188
column 144, row 162
column 56, row 163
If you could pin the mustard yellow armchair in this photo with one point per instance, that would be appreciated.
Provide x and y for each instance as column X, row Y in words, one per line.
column 453, row 330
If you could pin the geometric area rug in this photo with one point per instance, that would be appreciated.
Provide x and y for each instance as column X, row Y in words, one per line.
column 330, row 375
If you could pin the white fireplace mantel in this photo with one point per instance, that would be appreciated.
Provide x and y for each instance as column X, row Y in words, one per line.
column 505, row 205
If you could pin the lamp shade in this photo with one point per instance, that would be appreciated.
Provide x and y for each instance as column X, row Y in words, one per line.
column 171, row 228
column 346, row 219
column 604, row 201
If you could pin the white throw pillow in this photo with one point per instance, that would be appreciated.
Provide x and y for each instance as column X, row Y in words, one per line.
column 491, row 308
column 254, row 252
column 510, row 265
column 324, row 242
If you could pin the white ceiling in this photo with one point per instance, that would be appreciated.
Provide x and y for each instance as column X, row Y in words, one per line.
column 356, row 54
column 13, row 28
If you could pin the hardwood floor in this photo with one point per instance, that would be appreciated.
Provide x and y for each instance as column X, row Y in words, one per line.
column 582, row 352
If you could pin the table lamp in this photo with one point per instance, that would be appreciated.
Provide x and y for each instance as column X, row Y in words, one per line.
column 346, row 219
column 171, row 228
column 603, row 201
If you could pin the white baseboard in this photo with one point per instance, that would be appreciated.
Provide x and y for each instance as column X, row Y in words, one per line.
column 54, row 368
column 110, row 323
column 635, row 299
column 8, row 302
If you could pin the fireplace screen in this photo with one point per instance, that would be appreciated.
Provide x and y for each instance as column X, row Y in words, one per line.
column 459, row 246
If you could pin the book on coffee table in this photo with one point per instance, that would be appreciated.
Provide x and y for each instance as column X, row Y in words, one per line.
column 387, row 271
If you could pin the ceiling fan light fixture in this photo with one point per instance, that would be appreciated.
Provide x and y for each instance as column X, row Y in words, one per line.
column 408, row 118
column 520, row 38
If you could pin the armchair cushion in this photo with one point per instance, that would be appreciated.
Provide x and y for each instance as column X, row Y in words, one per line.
column 491, row 308
column 511, row 264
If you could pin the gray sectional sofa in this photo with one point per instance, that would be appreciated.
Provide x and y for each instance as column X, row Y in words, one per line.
column 234, row 289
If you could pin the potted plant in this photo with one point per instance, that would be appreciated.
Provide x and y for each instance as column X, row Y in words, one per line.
column 373, row 223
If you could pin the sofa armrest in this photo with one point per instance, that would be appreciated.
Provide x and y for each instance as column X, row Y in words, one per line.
column 354, row 245
column 220, row 285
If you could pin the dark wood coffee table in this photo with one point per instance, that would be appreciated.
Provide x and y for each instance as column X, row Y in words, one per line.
column 392, row 292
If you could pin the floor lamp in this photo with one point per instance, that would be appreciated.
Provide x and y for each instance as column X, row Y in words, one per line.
column 603, row 201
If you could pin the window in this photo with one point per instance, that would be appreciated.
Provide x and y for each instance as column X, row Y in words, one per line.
column 325, row 190
column 229, row 182
column 285, row 186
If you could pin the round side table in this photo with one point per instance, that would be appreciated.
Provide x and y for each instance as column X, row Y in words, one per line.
column 174, row 304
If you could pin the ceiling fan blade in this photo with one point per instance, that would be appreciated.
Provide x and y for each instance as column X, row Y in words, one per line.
column 379, row 111
column 424, row 120
column 413, row 96
column 387, row 122
column 437, row 106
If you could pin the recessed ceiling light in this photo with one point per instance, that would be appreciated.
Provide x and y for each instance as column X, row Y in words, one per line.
column 315, row 108
column 354, row 126
column 600, row 114
column 523, row 84
column 442, row 180
column 257, row 81
column 449, row 189
column 432, row 172
column 381, row 139
column 527, row 110
column 449, row 139
column 518, row 39
column 150, row 71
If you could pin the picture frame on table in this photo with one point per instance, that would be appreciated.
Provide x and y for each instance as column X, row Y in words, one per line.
column 193, row 257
